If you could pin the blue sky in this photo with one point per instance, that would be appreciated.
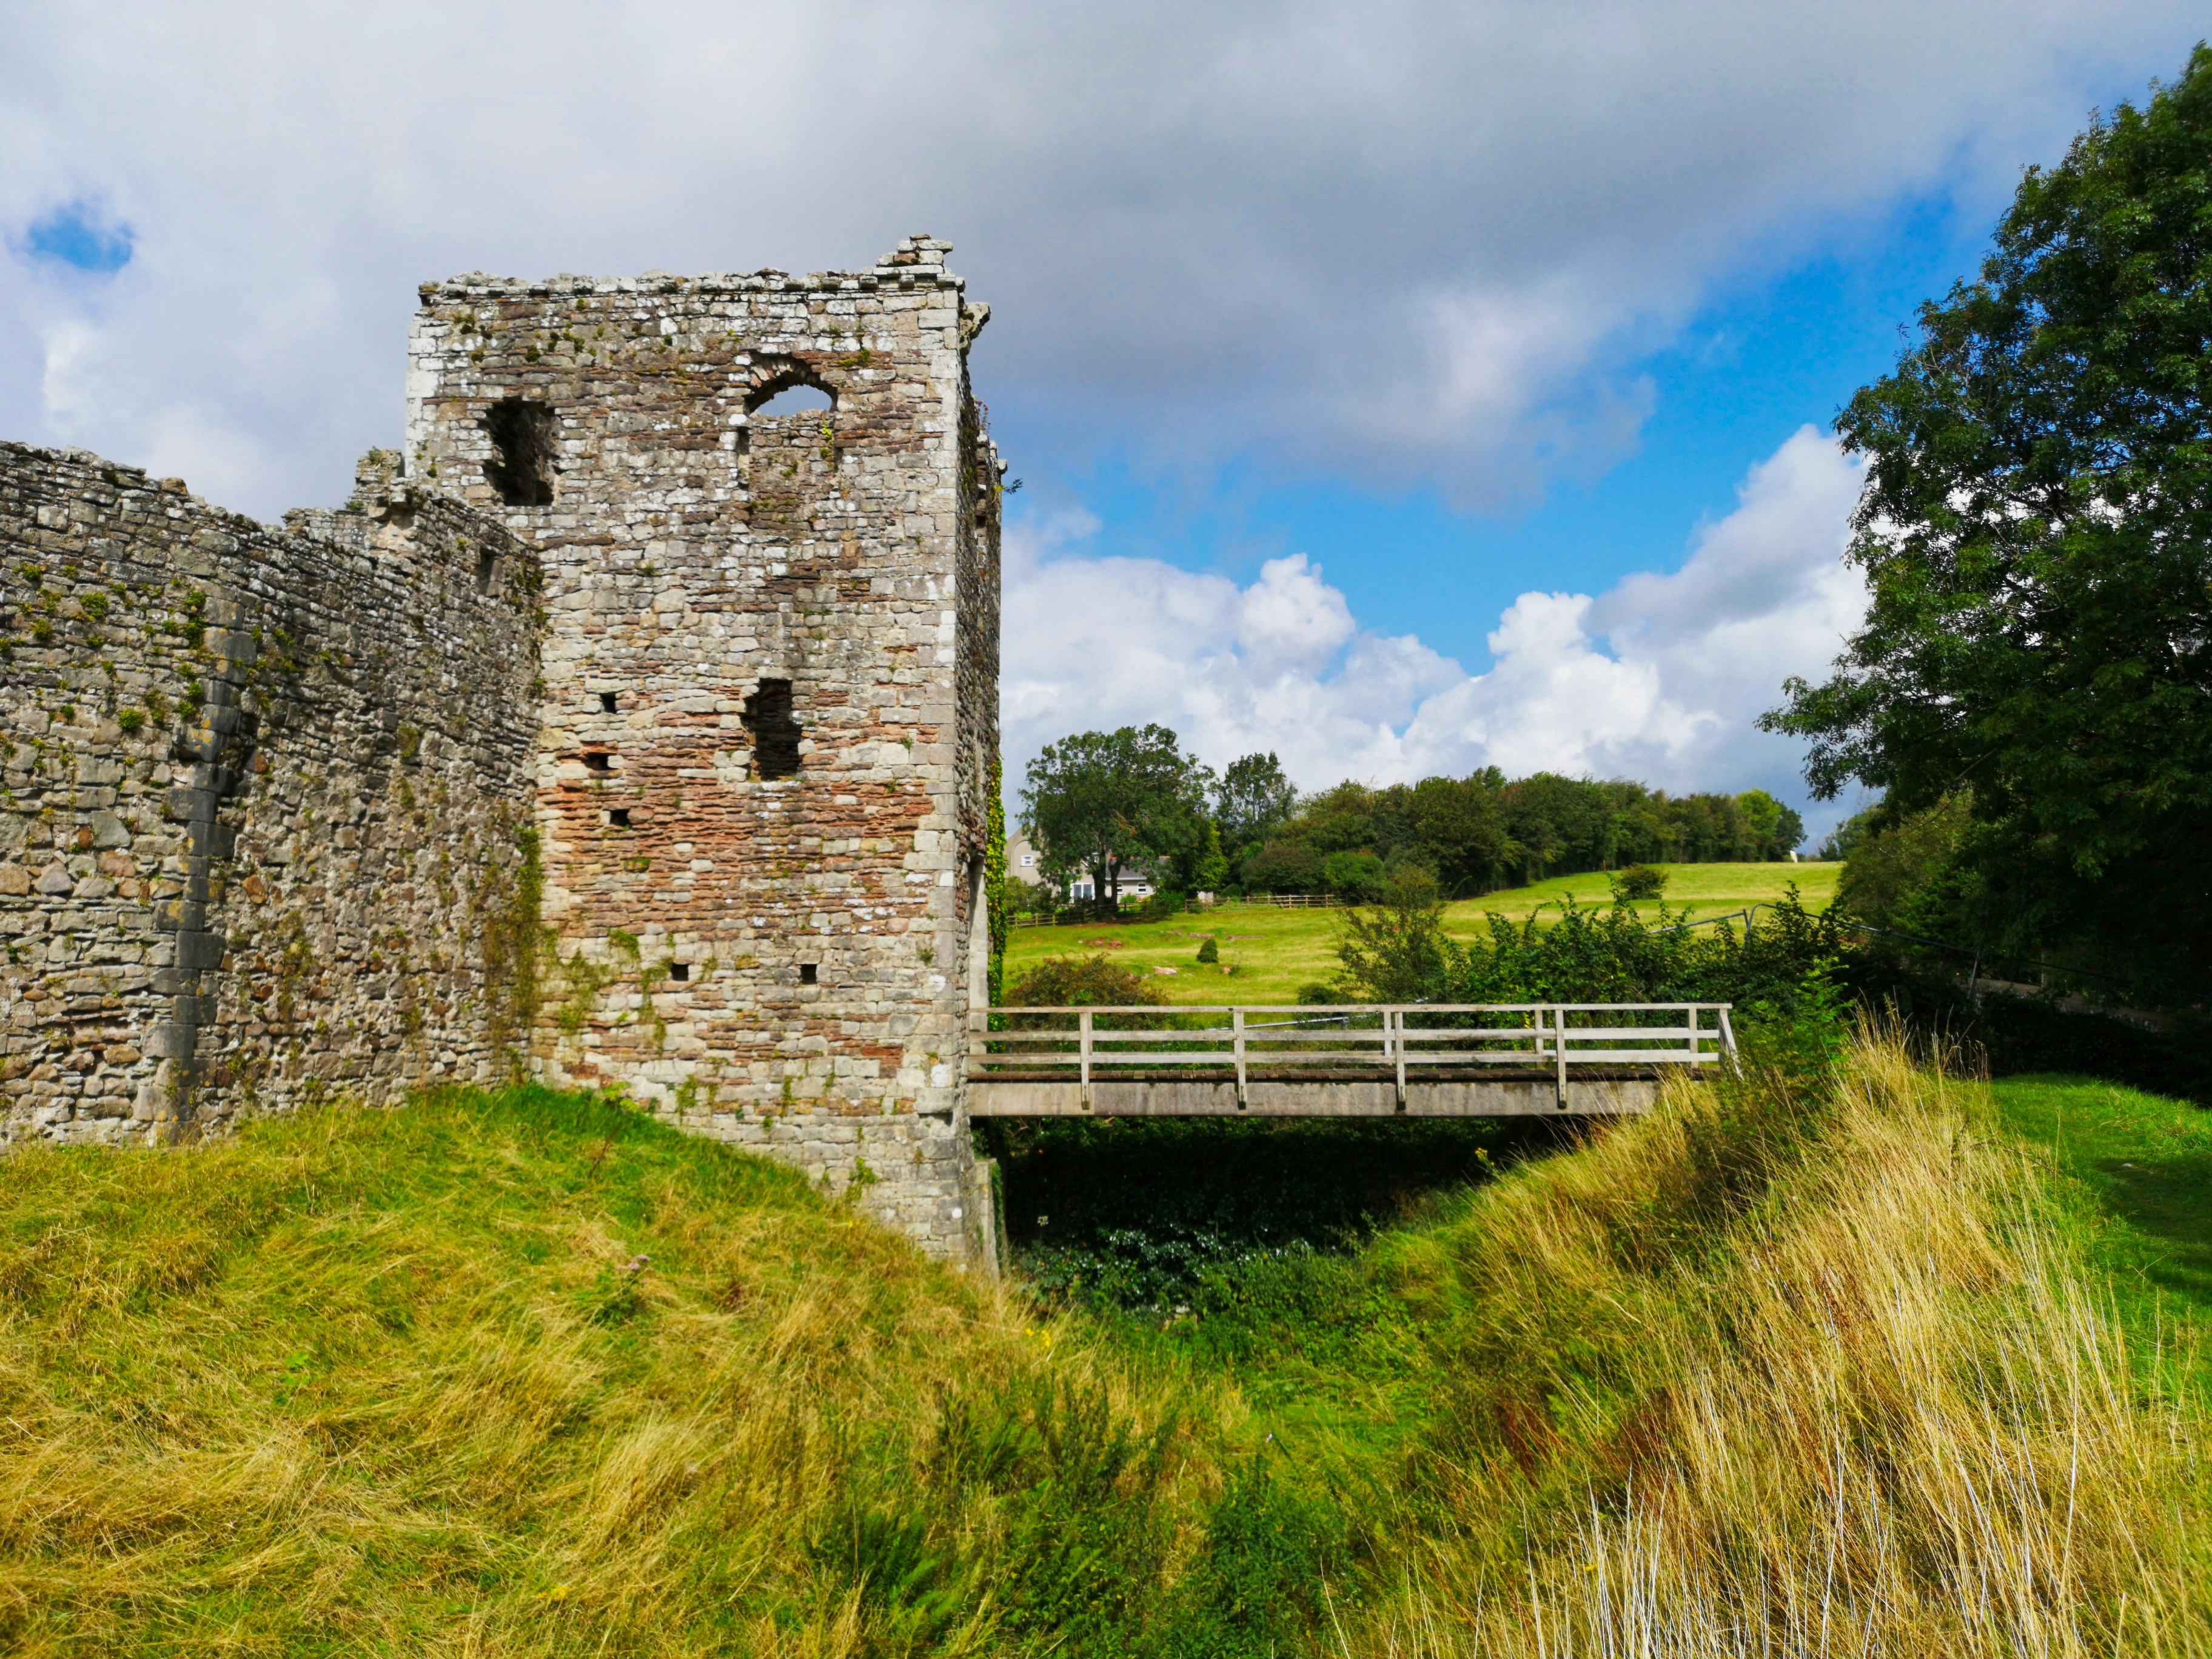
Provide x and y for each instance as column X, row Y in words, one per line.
column 1779, row 346
column 1332, row 343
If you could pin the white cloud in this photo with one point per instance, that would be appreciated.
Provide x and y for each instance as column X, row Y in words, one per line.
column 1415, row 239
column 1659, row 678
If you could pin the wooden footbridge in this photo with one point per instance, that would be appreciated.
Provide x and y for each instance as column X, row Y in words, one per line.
column 1376, row 1060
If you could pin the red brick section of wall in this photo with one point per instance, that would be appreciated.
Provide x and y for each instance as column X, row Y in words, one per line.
column 762, row 930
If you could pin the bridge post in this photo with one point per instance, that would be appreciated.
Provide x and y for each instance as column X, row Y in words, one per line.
column 1236, row 1022
column 1084, row 1020
column 1394, row 1042
column 1559, row 1051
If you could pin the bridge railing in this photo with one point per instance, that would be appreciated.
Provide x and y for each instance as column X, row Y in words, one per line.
column 1365, row 1040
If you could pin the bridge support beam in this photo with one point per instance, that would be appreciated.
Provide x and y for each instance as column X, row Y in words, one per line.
column 1483, row 1097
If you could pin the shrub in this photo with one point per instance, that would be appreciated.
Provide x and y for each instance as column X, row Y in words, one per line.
column 1282, row 866
column 1356, row 877
column 1610, row 954
column 1637, row 882
column 1394, row 952
column 1081, row 982
column 1208, row 950
column 1165, row 903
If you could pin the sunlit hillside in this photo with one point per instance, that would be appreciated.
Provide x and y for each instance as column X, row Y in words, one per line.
column 1274, row 952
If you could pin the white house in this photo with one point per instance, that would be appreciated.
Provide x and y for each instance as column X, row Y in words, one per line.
column 1025, row 863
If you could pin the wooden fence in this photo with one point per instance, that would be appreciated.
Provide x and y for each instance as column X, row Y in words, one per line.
column 1263, row 901
column 1361, row 1041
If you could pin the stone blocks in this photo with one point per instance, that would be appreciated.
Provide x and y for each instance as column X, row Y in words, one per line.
column 627, row 729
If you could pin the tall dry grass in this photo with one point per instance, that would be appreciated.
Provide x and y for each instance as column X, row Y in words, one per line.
column 391, row 1382
column 1785, row 1368
column 1836, row 1384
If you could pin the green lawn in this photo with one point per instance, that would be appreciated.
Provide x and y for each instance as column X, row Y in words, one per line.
column 2143, row 1166
column 1266, row 955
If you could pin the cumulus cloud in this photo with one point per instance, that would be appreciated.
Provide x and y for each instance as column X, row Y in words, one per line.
column 1658, row 678
column 1410, row 239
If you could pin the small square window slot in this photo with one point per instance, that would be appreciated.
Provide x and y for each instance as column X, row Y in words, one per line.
column 806, row 973
column 618, row 818
column 606, row 702
column 598, row 760
column 679, row 971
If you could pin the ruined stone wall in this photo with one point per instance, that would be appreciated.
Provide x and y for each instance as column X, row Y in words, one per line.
column 771, row 694
column 267, row 799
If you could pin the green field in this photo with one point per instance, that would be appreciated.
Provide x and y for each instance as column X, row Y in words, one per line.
column 1274, row 952
column 2139, row 1168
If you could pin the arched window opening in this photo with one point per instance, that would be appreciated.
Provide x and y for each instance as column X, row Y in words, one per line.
column 522, row 437
column 796, row 400
column 775, row 734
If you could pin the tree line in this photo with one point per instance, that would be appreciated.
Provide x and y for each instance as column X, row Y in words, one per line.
column 1111, row 804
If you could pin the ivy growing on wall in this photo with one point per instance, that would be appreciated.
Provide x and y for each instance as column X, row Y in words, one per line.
column 995, row 882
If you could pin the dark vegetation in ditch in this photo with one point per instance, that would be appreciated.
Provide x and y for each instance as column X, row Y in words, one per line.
column 1171, row 1217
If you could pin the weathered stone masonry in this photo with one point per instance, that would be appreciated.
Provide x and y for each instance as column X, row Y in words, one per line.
column 771, row 690
column 266, row 799
column 738, row 668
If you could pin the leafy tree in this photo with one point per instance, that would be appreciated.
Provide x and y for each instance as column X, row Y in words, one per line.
column 1845, row 836
column 1251, row 800
column 1211, row 874
column 1771, row 830
column 2035, row 532
column 1356, row 877
column 1459, row 822
column 1102, row 801
column 1893, row 864
column 1283, row 866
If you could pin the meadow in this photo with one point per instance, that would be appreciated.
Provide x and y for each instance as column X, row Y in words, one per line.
column 1844, row 1357
column 1267, row 955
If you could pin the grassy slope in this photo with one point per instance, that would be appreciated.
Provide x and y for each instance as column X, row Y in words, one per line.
column 368, row 1382
column 1276, row 952
column 1847, row 1373
column 1799, row 1371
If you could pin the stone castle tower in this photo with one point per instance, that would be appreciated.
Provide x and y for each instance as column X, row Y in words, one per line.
column 711, row 744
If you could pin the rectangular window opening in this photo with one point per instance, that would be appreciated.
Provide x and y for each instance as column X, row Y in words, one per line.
column 679, row 971
column 775, row 733
column 618, row 818
column 523, row 436
column 598, row 760
column 806, row 973
column 606, row 702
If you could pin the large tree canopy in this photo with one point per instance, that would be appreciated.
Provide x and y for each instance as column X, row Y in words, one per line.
column 1252, row 798
column 1100, row 801
column 2035, row 532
